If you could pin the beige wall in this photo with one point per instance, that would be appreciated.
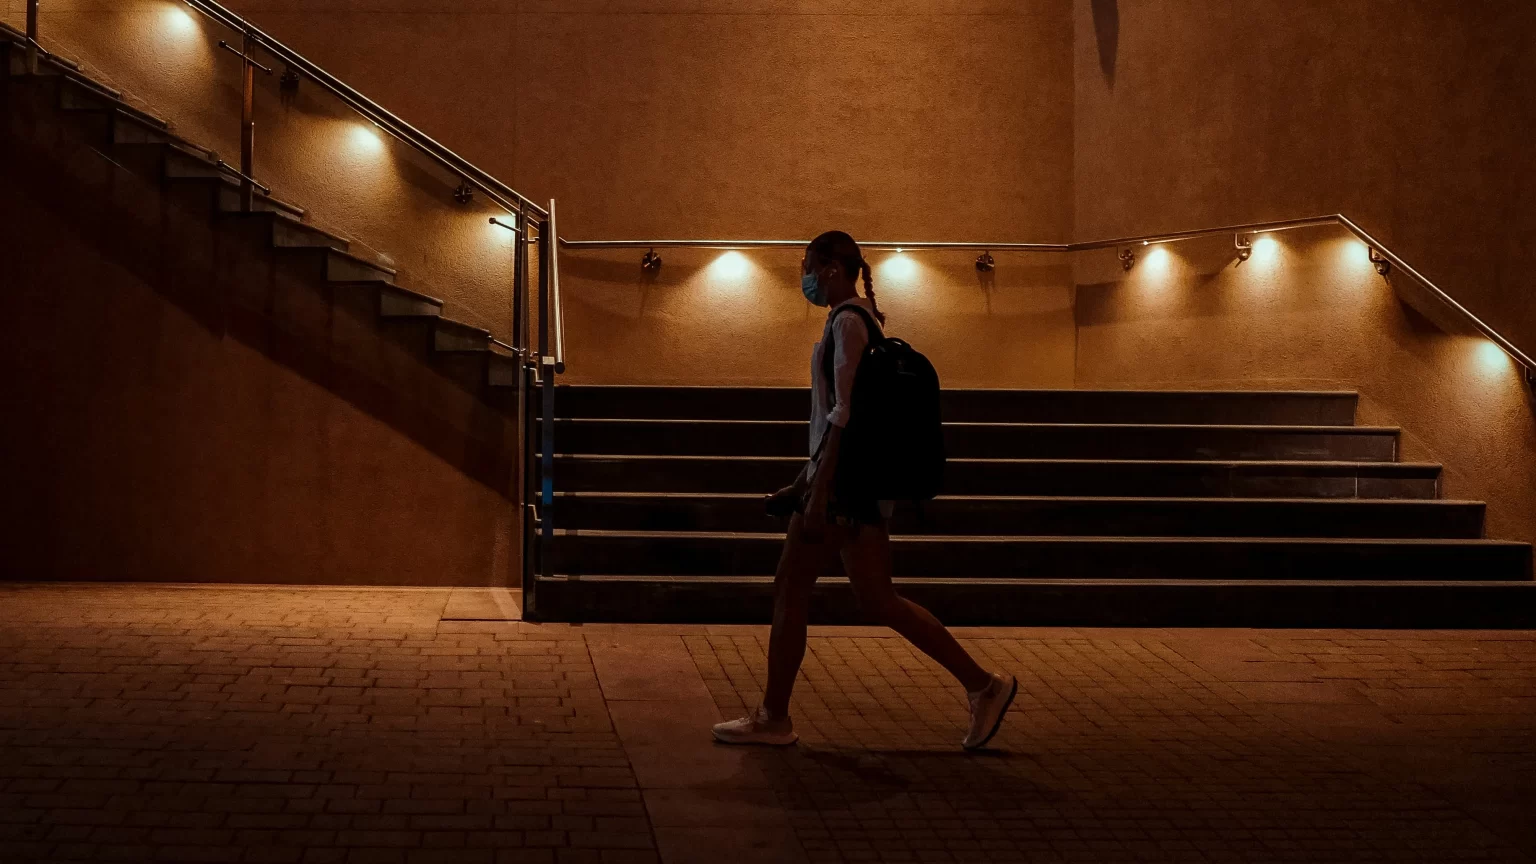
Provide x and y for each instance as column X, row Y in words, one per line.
column 664, row 118
column 1413, row 117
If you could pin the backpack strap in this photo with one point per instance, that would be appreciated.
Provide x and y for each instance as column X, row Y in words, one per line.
column 828, row 349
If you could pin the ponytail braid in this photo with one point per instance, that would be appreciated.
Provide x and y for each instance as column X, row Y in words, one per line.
column 869, row 290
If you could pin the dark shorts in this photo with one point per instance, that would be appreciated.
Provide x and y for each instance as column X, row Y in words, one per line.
column 860, row 512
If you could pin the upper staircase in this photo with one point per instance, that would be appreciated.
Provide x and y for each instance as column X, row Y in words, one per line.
column 1060, row 507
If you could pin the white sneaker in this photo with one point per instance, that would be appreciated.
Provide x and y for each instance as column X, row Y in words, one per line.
column 988, row 707
column 757, row 728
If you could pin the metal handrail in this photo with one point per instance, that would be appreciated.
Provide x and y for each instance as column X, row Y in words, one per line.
column 1377, row 247
column 556, row 305
column 503, row 195
column 801, row 244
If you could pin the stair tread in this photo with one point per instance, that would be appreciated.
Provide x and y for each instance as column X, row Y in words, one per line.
column 1066, row 539
column 984, row 580
column 415, row 295
column 1107, row 499
column 1202, row 427
column 1297, row 463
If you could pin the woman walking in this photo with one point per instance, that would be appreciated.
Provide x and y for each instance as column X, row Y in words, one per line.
column 854, row 534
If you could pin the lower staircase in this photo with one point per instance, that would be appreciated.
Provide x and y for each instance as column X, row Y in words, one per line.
column 1060, row 508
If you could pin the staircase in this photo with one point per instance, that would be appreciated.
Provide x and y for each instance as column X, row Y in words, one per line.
column 1061, row 508
column 304, row 273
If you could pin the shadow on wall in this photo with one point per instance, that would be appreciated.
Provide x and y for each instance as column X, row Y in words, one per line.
column 1106, row 27
column 225, row 276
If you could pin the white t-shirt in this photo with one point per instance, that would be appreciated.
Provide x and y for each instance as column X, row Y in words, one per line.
column 830, row 408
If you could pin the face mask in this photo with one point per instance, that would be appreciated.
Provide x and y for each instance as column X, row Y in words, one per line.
column 813, row 290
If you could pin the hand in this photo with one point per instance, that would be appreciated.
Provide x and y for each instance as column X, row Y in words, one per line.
column 782, row 503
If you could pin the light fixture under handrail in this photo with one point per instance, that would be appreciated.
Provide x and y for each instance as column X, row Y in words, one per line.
column 1380, row 250
column 503, row 195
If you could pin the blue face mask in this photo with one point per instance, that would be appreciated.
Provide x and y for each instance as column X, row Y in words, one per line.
column 813, row 290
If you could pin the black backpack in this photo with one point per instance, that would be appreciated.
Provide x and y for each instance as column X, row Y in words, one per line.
column 893, row 446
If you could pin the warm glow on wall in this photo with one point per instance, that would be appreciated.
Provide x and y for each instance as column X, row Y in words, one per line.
column 1491, row 357
column 1158, row 262
column 179, row 21
column 732, row 265
column 367, row 139
column 899, row 267
column 1266, row 250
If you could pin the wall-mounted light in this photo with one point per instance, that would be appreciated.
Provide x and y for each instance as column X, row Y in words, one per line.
column 984, row 263
column 1383, row 266
column 1127, row 258
column 650, row 262
column 464, row 194
column 289, row 83
column 1244, row 247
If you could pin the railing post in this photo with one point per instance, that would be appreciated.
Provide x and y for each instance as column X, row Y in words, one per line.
column 32, row 37
column 248, row 123
column 529, row 511
column 547, row 407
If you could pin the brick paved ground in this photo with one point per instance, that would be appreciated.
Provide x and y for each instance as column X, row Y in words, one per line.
column 248, row 724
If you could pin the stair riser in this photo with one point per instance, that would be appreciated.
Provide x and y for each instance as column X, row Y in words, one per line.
column 989, row 442
column 1404, row 605
column 1054, row 518
column 973, row 406
column 1136, row 479
column 1065, row 559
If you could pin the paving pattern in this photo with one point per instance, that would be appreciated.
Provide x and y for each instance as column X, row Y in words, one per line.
column 162, row 723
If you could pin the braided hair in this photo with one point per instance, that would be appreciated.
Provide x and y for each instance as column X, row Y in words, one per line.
column 840, row 247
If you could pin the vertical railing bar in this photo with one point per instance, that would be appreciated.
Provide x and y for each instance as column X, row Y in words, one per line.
column 530, row 513
column 32, row 37
column 544, row 252
column 519, row 285
column 247, row 123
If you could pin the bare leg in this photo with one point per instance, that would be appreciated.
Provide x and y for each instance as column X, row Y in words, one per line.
column 867, row 560
column 799, row 566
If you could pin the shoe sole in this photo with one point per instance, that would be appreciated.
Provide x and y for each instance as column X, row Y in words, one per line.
column 757, row 742
column 1001, row 715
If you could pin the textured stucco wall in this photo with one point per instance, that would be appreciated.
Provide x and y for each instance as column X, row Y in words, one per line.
column 906, row 120
column 178, row 409
column 1412, row 117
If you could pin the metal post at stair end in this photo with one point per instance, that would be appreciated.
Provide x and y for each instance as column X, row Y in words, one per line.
column 247, row 123
column 32, row 37
column 547, row 481
column 547, row 403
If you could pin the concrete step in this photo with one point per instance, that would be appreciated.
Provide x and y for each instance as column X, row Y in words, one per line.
column 80, row 94
column 1034, row 477
column 976, row 406
column 581, row 552
column 338, row 266
column 1139, row 517
column 281, row 231
column 993, row 440
column 397, row 302
column 1060, row 603
column 457, row 337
